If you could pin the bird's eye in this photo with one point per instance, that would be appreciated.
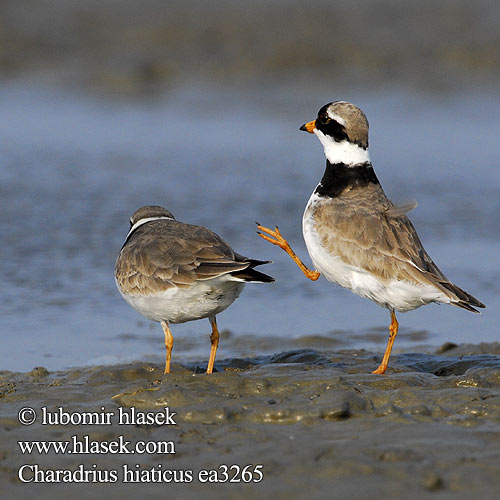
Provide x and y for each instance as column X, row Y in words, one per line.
column 324, row 119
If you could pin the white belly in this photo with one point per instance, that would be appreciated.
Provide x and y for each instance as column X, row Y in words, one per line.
column 178, row 305
column 393, row 294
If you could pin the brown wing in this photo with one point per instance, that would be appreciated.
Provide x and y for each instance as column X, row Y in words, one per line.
column 164, row 254
column 365, row 230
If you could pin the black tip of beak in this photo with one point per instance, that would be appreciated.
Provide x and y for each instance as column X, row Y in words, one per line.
column 303, row 128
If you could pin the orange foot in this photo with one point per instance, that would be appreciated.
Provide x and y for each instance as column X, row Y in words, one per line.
column 393, row 331
column 380, row 370
column 276, row 238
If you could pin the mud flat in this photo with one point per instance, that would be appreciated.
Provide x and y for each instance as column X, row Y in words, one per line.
column 319, row 424
column 131, row 47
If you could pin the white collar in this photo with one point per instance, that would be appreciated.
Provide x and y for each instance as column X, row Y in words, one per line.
column 143, row 221
column 342, row 152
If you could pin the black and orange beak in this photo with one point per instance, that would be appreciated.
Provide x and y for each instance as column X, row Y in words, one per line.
column 309, row 127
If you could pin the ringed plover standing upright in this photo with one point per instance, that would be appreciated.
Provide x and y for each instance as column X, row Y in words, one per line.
column 356, row 236
column 173, row 272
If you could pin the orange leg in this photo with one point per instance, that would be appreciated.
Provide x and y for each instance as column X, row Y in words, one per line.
column 214, row 339
column 393, row 329
column 276, row 238
column 169, row 343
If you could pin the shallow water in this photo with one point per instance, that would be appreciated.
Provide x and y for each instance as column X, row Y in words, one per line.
column 75, row 167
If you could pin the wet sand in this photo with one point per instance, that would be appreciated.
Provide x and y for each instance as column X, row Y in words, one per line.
column 129, row 48
column 318, row 421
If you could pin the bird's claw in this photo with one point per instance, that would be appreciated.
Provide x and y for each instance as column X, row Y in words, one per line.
column 273, row 237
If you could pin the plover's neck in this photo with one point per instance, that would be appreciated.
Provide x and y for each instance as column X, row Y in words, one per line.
column 338, row 177
column 143, row 221
column 344, row 152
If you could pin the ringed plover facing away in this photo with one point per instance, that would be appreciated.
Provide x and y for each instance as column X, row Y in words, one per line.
column 172, row 272
column 356, row 237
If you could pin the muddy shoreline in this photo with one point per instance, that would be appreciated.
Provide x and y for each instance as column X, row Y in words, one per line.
column 315, row 420
column 128, row 49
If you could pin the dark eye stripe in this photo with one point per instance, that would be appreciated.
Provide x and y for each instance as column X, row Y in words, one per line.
column 332, row 128
column 324, row 119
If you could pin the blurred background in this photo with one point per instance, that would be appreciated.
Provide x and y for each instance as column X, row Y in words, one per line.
column 112, row 104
